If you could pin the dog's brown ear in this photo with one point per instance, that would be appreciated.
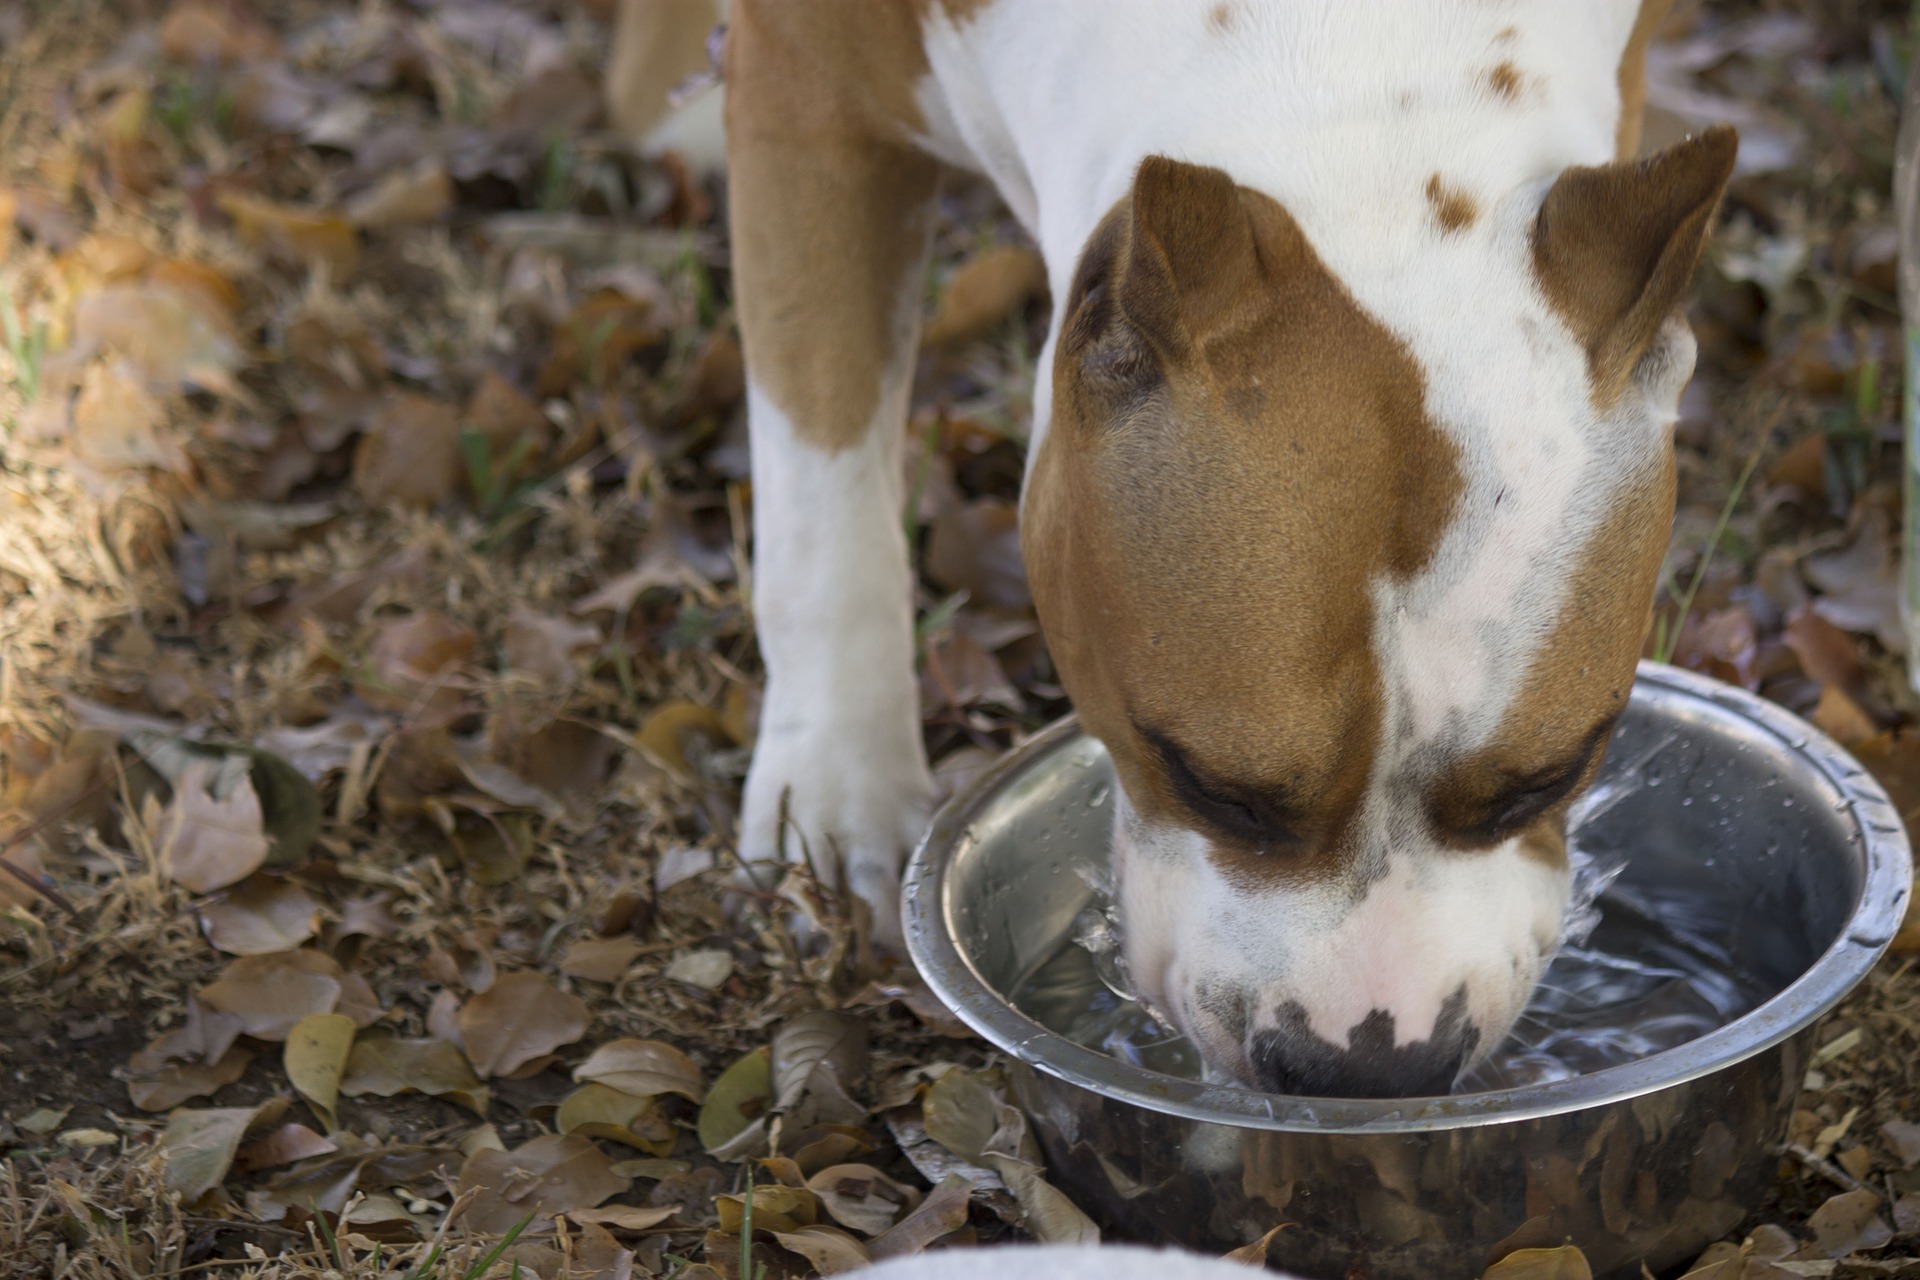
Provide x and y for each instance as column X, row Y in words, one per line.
column 1198, row 247
column 1615, row 246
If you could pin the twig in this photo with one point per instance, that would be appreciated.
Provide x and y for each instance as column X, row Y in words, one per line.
column 1826, row 1168
column 33, row 829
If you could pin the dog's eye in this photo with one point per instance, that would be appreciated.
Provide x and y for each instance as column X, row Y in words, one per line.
column 1260, row 823
column 1518, row 807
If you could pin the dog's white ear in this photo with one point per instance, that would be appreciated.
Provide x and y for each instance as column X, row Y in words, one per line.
column 1615, row 246
column 1198, row 248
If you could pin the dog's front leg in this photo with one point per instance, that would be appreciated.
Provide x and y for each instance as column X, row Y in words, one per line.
column 830, row 233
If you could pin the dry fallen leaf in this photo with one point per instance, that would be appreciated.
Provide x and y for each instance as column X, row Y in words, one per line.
column 706, row 968
column 548, row 1176
column 404, row 197
column 289, row 1143
column 1847, row 1223
column 983, row 292
column 1254, row 1252
column 410, row 454
column 297, row 235
column 315, row 1057
column 597, row 1111
column 1904, row 1137
column 862, row 1197
column 943, row 1211
column 600, row 959
column 414, row 663
column 775, row 1208
column 1563, row 1263
column 520, row 1018
column 735, row 1100
column 199, row 1147
column 175, row 336
column 163, row 1075
column 209, row 841
column 625, row 1217
column 119, row 425
column 643, row 1068
column 260, row 915
column 269, row 994
column 545, row 649
column 387, row 1065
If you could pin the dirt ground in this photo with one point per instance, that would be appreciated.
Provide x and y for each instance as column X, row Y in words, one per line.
column 376, row 680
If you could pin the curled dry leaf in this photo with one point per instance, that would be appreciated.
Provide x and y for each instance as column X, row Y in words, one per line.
column 544, row 648
column 208, row 841
column 285, row 1145
column 261, row 915
column 1254, row 1252
column 825, row 1038
column 297, row 235
column 199, row 1147
column 413, row 661
column 387, row 1065
column 960, row 1114
column 983, row 292
column 404, row 197
column 1847, row 1223
column 600, row 959
column 316, row 1055
column 862, row 1197
column 736, row 1100
column 623, row 1217
column 159, row 1081
column 1563, row 1263
column 548, row 1176
column 270, row 993
column 830, row 1250
column 775, row 1208
column 597, row 1111
column 1903, row 1136
column 943, row 1211
column 410, row 453
column 663, row 735
column 520, row 1018
column 643, row 1068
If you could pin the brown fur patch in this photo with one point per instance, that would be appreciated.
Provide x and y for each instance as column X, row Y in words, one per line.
column 1453, row 208
column 1633, row 76
column 1506, row 81
column 1237, row 452
column 1221, row 18
column 1614, row 247
column 656, row 45
column 829, row 203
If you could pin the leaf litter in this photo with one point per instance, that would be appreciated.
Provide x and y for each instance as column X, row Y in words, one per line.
column 374, row 454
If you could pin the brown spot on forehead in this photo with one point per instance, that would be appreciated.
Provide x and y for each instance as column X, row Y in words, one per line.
column 1203, row 541
column 1221, row 17
column 1505, row 81
column 1453, row 208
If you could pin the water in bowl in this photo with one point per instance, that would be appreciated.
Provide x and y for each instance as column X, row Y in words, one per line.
column 1638, row 975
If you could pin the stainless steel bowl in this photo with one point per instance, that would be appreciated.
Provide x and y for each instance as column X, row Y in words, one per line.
column 1713, row 789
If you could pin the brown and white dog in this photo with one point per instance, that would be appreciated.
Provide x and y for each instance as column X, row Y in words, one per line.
column 1349, row 480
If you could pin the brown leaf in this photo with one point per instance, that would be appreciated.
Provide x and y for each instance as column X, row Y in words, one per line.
column 207, row 842
column 298, row 235
column 414, row 661
column 975, row 547
column 118, row 425
column 207, row 31
column 825, row 1039
column 175, row 334
column 624, row 1217
column 270, row 993
column 546, row 1177
column 775, row 1208
column 387, row 1065
column 960, row 1114
column 943, row 1211
column 199, row 1147
column 1826, row 653
column 511, row 423
column 959, row 673
column 600, row 959
column 285, row 1145
column 596, row 1111
column 862, row 1197
column 983, row 292
column 1563, row 1263
column 521, row 1017
column 714, row 384
column 404, row 198
column 1722, row 644
column 410, row 453
column 663, row 735
column 1845, row 1224
column 830, row 1250
column 1254, row 1252
column 260, row 915
column 545, row 649
column 156, row 1082
column 1841, row 718
column 643, row 1068
column 1904, row 1137
column 1803, row 466
column 315, row 1057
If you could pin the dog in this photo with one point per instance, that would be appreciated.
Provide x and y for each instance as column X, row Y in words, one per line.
column 1349, row 480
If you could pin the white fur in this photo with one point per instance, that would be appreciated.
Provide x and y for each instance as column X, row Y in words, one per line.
column 839, row 743
column 1063, row 1262
column 1342, row 112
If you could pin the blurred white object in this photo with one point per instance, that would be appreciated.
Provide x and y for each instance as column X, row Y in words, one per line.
column 661, row 88
column 1063, row 1262
column 1906, row 205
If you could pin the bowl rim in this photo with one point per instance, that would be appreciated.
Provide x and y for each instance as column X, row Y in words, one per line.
column 1870, row 927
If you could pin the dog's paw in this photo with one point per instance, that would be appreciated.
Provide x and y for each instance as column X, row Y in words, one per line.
column 845, row 807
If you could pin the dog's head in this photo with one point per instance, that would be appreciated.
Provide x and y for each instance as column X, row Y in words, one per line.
column 1354, row 608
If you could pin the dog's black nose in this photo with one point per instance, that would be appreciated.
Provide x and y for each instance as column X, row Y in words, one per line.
column 1291, row 1058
